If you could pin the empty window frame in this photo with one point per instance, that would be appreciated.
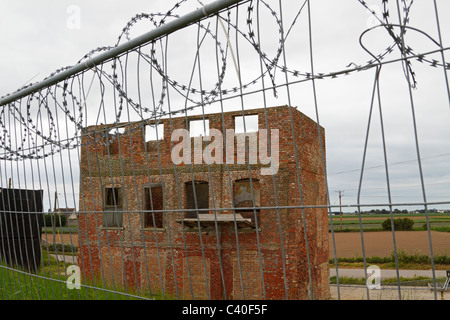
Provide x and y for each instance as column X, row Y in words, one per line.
column 246, row 195
column 153, row 201
column 201, row 199
column 250, row 121
column 199, row 128
column 112, row 207
column 154, row 132
column 112, row 141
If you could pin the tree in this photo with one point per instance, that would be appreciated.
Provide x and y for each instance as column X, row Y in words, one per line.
column 401, row 224
column 61, row 220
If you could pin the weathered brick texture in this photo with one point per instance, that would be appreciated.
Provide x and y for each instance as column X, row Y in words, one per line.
column 182, row 262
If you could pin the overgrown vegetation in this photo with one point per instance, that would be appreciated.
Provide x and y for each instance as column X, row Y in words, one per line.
column 58, row 220
column 73, row 230
column 412, row 282
column 400, row 224
column 60, row 248
column 403, row 257
column 50, row 284
column 439, row 228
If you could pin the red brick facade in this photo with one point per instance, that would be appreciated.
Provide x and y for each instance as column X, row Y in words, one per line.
column 172, row 257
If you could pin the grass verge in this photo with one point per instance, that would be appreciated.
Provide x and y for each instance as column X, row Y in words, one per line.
column 50, row 283
column 417, row 281
column 406, row 260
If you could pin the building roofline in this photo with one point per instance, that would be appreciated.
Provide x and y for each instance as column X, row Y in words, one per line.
column 197, row 116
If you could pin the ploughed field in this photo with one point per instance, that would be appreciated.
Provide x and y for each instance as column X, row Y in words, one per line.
column 381, row 243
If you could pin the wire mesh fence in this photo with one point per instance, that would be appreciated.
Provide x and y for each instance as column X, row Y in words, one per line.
column 210, row 159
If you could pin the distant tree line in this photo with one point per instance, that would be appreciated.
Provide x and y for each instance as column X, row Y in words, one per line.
column 384, row 211
column 59, row 219
column 398, row 211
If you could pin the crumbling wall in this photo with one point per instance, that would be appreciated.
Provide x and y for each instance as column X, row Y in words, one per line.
column 177, row 260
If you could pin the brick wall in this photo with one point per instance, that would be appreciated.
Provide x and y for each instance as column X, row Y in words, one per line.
column 182, row 262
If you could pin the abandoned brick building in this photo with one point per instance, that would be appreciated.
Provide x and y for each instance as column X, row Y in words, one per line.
column 205, row 231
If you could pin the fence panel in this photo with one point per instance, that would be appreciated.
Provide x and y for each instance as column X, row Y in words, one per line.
column 223, row 154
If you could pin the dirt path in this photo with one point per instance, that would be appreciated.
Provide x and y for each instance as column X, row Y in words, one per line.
column 348, row 244
column 62, row 238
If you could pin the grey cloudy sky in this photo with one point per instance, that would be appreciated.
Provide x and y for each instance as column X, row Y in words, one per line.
column 39, row 37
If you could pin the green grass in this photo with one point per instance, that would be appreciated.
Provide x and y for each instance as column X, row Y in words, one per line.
column 50, row 284
column 441, row 228
column 405, row 260
column 62, row 230
column 61, row 249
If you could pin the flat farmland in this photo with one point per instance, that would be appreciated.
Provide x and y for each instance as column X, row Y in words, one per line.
column 374, row 221
column 381, row 243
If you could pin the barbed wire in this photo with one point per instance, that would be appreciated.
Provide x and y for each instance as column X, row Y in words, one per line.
column 29, row 148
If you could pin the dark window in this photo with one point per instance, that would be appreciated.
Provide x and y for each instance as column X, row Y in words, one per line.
column 200, row 200
column 246, row 195
column 153, row 201
column 112, row 215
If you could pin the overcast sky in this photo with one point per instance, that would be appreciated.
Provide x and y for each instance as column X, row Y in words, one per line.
column 39, row 37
